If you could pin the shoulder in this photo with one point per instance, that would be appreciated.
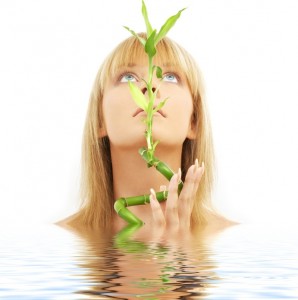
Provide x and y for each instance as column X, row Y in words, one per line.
column 70, row 222
column 218, row 221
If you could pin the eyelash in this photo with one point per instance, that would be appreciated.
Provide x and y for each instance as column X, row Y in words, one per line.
column 125, row 73
column 173, row 74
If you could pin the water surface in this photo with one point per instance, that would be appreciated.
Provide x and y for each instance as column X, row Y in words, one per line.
column 241, row 262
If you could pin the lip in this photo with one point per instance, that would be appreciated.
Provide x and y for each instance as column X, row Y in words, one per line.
column 141, row 111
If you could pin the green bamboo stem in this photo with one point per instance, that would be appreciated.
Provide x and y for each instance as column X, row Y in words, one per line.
column 123, row 240
column 149, row 119
column 121, row 204
column 153, row 37
column 160, row 166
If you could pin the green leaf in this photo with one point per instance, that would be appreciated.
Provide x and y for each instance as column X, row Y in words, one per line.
column 154, row 145
column 138, row 96
column 160, row 105
column 145, row 81
column 149, row 46
column 167, row 26
column 158, row 72
column 145, row 15
column 143, row 41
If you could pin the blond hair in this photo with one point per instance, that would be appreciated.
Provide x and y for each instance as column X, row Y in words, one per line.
column 97, row 177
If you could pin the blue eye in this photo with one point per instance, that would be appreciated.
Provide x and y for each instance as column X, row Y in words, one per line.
column 170, row 77
column 127, row 77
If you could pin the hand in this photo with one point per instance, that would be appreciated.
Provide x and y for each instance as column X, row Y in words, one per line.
column 178, row 209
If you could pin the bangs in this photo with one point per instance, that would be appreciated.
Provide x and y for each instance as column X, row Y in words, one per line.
column 169, row 54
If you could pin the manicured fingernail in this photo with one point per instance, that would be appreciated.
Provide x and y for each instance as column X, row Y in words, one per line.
column 179, row 176
column 162, row 188
column 153, row 193
column 197, row 163
column 202, row 167
column 153, row 200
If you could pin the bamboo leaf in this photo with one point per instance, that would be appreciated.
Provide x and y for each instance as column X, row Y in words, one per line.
column 138, row 96
column 145, row 15
column 143, row 41
column 154, row 145
column 158, row 72
column 145, row 81
column 150, row 46
column 167, row 26
column 160, row 105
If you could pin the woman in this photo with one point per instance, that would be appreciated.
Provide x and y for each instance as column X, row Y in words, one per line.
column 114, row 131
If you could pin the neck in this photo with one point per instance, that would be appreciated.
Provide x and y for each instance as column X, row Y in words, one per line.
column 132, row 177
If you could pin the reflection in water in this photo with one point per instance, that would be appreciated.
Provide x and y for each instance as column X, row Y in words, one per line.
column 242, row 262
column 125, row 267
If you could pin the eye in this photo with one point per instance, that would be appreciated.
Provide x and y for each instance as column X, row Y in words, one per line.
column 127, row 77
column 171, row 77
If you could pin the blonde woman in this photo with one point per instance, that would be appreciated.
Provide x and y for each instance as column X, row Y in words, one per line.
column 114, row 131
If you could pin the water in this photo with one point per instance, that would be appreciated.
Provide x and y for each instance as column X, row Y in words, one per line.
column 241, row 262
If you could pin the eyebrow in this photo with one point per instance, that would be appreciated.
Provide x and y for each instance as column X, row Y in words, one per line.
column 164, row 65
column 168, row 64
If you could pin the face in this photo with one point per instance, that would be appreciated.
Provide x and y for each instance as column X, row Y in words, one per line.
column 124, row 120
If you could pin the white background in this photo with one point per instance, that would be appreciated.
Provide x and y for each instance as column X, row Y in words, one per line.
column 50, row 52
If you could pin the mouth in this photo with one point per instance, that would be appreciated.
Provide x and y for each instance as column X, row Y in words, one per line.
column 141, row 111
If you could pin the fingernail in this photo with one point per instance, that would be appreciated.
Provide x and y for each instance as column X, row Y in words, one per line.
column 153, row 200
column 162, row 188
column 153, row 193
column 197, row 163
column 179, row 176
column 202, row 167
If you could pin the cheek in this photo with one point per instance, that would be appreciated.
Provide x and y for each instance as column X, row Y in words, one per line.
column 183, row 110
column 181, row 107
column 121, row 128
column 176, row 128
column 114, row 106
column 111, row 112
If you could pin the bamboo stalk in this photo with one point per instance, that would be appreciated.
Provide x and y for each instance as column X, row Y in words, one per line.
column 160, row 166
column 121, row 204
column 153, row 37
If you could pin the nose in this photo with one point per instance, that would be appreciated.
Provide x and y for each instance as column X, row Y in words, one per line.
column 157, row 100
column 145, row 90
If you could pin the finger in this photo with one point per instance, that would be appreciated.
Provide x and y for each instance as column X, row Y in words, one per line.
column 188, row 194
column 199, row 174
column 171, row 214
column 186, row 198
column 162, row 188
column 188, row 186
column 158, row 216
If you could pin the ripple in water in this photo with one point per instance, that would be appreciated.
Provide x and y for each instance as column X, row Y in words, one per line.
column 242, row 262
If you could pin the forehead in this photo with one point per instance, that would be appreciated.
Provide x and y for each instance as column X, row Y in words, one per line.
column 131, row 53
column 142, row 65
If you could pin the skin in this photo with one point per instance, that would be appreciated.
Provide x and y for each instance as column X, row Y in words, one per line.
column 125, row 129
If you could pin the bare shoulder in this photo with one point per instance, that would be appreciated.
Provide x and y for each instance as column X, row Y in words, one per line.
column 69, row 222
column 218, row 221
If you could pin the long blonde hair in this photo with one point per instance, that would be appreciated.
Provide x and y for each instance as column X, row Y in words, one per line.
column 97, row 178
